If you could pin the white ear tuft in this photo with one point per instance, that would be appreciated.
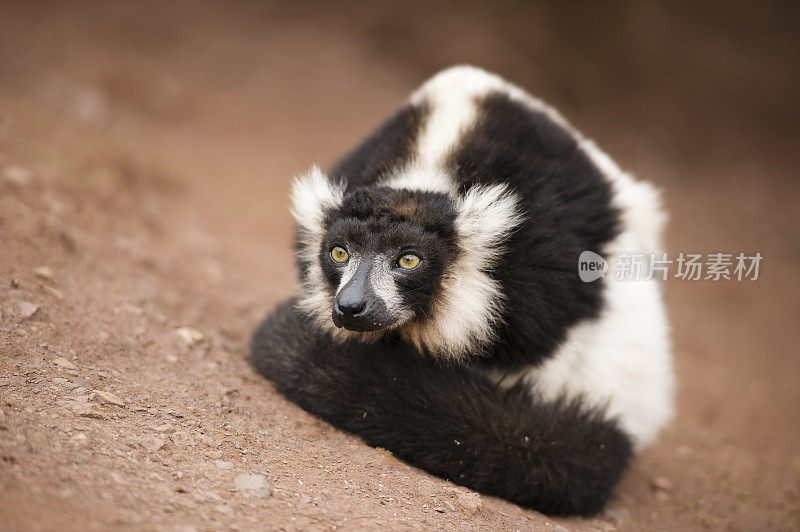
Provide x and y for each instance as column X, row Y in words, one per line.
column 312, row 194
column 487, row 215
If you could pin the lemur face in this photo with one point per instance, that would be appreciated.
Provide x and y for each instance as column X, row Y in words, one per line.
column 397, row 257
column 384, row 255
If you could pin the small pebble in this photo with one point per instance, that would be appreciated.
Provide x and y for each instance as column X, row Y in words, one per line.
column 106, row 397
column 80, row 393
column 189, row 335
column 79, row 439
column 181, row 438
column 150, row 443
column 17, row 175
column 614, row 516
column 204, row 496
column 93, row 414
column 470, row 501
column 81, row 408
column 253, row 485
column 661, row 483
column 603, row 526
column 222, row 465
column 44, row 272
column 27, row 309
column 64, row 363
column 224, row 509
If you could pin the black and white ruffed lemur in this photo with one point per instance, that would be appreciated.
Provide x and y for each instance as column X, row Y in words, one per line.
column 441, row 313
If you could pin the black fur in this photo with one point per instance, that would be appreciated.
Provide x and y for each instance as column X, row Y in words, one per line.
column 557, row 457
column 567, row 201
column 387, row 148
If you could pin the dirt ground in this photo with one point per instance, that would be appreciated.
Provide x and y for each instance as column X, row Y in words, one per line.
column 145, row 154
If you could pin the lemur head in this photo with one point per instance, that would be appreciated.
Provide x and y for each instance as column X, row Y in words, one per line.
column 419, row 262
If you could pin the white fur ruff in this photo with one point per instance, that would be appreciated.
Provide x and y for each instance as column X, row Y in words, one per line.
column 487, row 215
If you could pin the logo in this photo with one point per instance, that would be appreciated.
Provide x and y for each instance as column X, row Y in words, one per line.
column 591, row 266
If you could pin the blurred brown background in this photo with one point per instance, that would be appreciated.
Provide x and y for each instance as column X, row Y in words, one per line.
column 145, row 154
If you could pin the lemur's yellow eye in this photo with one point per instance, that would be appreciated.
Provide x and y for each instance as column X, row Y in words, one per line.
column 408, row 262
column 339, row 255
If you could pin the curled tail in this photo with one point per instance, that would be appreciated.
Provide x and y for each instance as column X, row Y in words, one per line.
column 556, row 457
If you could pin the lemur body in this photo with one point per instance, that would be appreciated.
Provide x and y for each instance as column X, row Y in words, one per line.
column 442, row 316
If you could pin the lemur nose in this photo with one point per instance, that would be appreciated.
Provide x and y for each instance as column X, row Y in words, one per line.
column 350, row 307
